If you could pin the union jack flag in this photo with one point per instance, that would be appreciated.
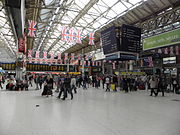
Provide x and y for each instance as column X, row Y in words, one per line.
column 29, row 53
column 166, row 50
column 72, row 56
column 171, row 50
column 65, row 56
column 37, row 54
column 63, row 34
column 177, row 50
column 150, row 62
column 59, row 56
column 52, row 56
column 89, row 63
column 114, row 65
column 32, row 28
column 79, row 57
column 160, row 50
column 91, row 38
column 100, row 63
column 92, row 63
column 96, row 63
column 70, row 36
column 45, row 57
column 79, row 37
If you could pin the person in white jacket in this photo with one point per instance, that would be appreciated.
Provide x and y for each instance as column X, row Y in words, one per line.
column 73, row 84
column 153, row 85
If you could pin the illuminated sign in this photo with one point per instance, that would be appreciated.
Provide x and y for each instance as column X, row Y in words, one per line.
column 165, row 39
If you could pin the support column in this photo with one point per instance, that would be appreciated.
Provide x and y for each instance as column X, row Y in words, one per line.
column 130, row 65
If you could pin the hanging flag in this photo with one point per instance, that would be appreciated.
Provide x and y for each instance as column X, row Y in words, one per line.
column 87, row 57
column 100, row 63
column 65, row 56
column 37, row 54
column 70, row 36
column 166, row 51
column 40, row 61
column 29, row 53
column 52, row 55
column 150, row 61
column 72, row 56
column 92, row 63
column 79, row 57
column 45, row 57
column 32, row 28
column 91, row 38
column 141, row 62
column 96, row 63
column 114, row 65
column 63, row 34
column 81, row 63
column 177, row 50
column 79, row 37
column 171, row 50
column 59, row 56
column 160, row 50
column 89, row 63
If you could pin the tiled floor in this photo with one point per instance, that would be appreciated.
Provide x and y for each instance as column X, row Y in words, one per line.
column 92, row 112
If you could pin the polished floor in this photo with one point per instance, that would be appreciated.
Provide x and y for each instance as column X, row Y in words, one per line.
column 91, row 112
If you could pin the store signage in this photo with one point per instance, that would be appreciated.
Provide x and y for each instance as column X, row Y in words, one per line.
column 165, row 39
column 169, row 60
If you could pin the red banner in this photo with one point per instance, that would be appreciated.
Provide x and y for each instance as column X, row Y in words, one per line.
column 21, row 45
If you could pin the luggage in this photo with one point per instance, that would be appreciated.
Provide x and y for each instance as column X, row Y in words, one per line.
column 141, row 87
column 113, row 87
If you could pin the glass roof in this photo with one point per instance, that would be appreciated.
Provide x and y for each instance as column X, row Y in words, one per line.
column 87, row 15
column 6, row 34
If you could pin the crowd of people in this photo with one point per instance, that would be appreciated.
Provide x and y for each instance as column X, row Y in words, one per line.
column 68, row 84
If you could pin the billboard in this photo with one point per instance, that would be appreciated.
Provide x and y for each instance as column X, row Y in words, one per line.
column 161, row 40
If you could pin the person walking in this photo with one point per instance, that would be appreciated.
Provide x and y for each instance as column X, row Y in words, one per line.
column 1, row 81
column 153, row 85
column 174, row 83
column 107, row 82
column 36, row 80
column 73, row 84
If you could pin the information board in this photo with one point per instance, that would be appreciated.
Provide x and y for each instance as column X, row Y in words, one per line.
column 8, row 66
column 109, row 40
column 45, row 67
column 130, row 39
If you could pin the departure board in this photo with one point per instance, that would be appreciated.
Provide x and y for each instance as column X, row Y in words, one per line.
column 8, row 66
column 130, row 38
column 109, row 40
column 45, row 67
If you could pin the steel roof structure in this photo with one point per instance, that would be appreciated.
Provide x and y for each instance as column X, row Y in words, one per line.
column 88, row 15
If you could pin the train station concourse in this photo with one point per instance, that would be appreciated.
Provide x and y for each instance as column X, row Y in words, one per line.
column 89, row 67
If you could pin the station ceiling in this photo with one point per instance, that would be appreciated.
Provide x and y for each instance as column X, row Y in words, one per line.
column 87, row 15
